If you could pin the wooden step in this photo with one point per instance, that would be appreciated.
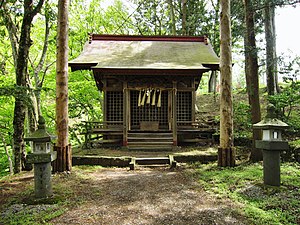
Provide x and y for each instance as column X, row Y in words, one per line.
column 157, row 142
column 150, row 148
column 150, row 141
column 150, row 135
column 149, row 138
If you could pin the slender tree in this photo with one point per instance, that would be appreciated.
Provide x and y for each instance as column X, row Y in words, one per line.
column 226, row 151
column 269, row 10
column 252, row 78
column 270, row 37
column 172, row 17
column 184, row 16
column 63, row 161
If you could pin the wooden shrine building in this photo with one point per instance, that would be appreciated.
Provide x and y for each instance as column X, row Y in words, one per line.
column 149, row 85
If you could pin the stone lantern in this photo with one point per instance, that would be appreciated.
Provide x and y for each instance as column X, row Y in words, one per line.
column 41, row 156
column 271, row 145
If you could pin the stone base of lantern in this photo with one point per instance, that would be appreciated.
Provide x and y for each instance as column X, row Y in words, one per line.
column 42, row 180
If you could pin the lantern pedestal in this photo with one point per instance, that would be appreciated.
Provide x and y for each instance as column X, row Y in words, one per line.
column 271, row 160
column 42, row 155
column 271, row 145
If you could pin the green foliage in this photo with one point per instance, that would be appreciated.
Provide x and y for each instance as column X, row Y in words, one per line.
column 6, row 131
column 261, row 204
column 242, row 119
column 84, row 103
column 287, row 100
column 4, row 167
column 287, row 105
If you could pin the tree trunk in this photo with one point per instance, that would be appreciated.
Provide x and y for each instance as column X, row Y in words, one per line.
column 212, row 83
column 173, row 22
column 20, row 105
column 277, row 87
column 252, row 78
column 32, row 108
column 63, row 161
column 215, row 34
column 226, row 152
column 184, row 16
column 270, row 48
column 20, row 53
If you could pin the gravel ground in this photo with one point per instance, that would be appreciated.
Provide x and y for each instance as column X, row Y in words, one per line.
column 147, row 196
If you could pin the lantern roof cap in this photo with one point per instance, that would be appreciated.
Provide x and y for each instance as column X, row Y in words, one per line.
column 270, row 121
column 40, row 135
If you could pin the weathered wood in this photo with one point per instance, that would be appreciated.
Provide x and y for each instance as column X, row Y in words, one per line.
column 193, row 101
column 174, row 110
column 152, row 141
column 104, row 100
column 63, row 161
column 226, row 157
column 126, row 112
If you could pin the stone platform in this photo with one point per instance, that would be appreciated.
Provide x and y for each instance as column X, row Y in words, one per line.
column 122, row 158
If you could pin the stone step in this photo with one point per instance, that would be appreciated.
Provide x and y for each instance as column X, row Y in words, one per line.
column 152, row 162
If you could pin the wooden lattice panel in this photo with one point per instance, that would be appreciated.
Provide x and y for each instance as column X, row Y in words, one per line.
column 184, row 106
column 114, row 110
column 149, row 111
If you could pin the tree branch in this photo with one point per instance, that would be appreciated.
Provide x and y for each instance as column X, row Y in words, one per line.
column 12, row 30
column 45, row 71
column 274, row 4
column 38, row 7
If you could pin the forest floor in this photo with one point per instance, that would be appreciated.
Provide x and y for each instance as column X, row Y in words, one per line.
column 95, row 195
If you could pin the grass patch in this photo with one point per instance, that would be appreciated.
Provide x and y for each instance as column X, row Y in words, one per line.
column 30, row 214
column 23, row 208
column 244, row 184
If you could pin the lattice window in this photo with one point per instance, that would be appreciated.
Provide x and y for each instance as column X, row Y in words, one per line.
column 114, row 110
column 149, row 112
column 184, row 106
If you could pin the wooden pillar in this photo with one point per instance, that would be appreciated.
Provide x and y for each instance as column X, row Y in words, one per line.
column 104, row 105
column 174, row 112
column 126, row 110
column 193, row 101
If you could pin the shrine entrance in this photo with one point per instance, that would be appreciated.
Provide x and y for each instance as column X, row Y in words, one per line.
column 149, row 110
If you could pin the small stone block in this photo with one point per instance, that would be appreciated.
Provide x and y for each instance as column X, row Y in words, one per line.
column 41, row 157
column 132, row 164
column 272, row 145
column 173, row 165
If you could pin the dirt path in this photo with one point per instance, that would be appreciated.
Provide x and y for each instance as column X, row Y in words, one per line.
column 146, row 196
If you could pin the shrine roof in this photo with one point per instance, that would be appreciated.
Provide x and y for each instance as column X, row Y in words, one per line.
column 146, row 52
